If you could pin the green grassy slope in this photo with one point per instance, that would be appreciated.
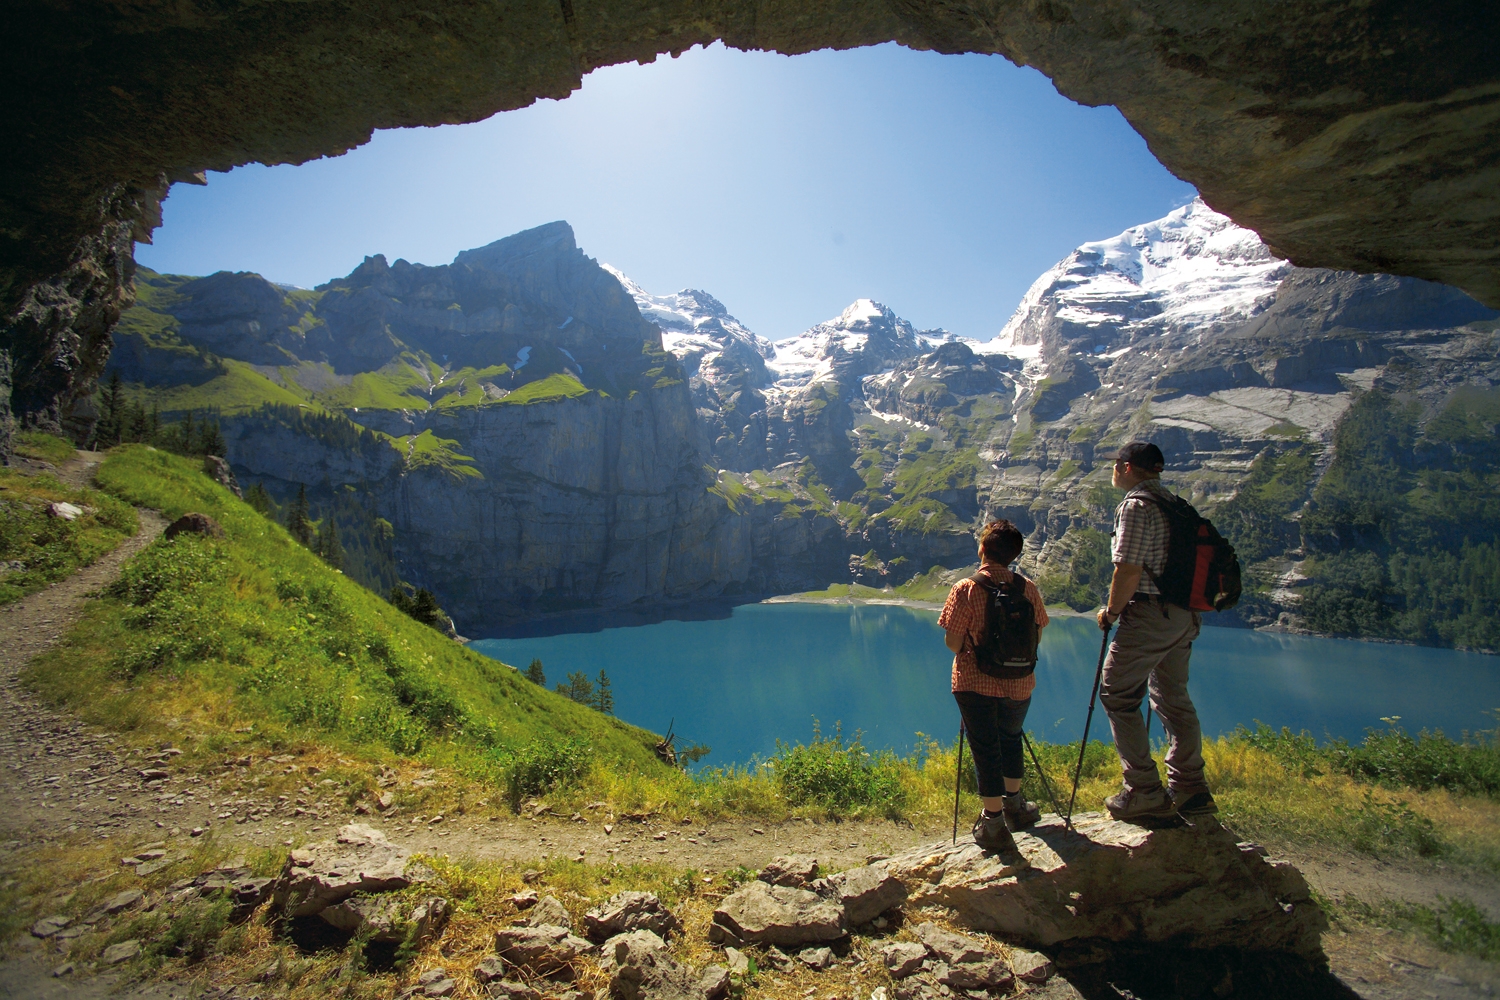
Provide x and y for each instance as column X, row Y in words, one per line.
column 210, row 637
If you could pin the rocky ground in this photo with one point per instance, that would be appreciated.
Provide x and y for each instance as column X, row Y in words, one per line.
column 65, row 783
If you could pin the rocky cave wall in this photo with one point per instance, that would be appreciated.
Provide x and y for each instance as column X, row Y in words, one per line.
column 1360, row 136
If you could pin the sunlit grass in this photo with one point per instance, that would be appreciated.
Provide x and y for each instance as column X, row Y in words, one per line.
column 36, row 548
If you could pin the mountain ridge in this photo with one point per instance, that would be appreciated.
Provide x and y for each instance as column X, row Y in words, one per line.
column 861, row 449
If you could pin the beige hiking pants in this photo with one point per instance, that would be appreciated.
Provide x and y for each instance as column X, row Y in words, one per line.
column 1150, row 649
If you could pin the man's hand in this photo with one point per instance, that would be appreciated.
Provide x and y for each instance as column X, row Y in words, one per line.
column 1122, row 586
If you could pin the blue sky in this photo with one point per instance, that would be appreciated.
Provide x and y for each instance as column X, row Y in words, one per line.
column 785, row 186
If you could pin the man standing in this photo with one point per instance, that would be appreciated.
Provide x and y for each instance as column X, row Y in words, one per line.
column 1150, row 651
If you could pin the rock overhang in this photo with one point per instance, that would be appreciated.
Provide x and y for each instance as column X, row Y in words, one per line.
column 1350, row 136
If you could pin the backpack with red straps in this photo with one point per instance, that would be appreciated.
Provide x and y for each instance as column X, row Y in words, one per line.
column 1202, row 571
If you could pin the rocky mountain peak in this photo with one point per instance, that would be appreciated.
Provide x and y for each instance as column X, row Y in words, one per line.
column 555, row 239
column 1192, row 269
column 865, row 339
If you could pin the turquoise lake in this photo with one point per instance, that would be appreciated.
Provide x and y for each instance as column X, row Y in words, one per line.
column 765, row 672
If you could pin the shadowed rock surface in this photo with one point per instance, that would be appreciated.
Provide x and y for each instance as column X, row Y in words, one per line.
column 1354, row 136
column 1191, row 887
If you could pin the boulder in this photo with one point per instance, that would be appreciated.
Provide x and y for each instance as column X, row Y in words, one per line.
column 1030, row 967
column 817, row 959
column 632, row 948
column 123, row 901
column 715, row 982
column 739, row 962
column 218, row 470
column 1192, row 886
column 246, row 890
column 946, row 946
column 390, row 920
column 775, row 914
column 866, row 892
column 644, row 970
column 548, row 911
column 903, row 958
column 794, row 870
column 490, row 970
column 509, row 989
column 988, row 974
column 194, row 524
column 360, row 860
column 122, row 952
column 545, row 951
column 629, row 911
column 64, row 511
column 48, row 926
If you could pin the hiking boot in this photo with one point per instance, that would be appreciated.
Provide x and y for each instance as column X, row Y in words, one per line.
column 1131, row 804
column 1019, row 813
column 992, row 835
column 1198, row 804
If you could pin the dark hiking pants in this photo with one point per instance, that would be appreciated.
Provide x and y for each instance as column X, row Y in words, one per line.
column 994, row 726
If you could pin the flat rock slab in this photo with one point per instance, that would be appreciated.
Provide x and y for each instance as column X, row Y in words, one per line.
column 325, row 874
column 1193, row 886
column 776, row 914
column 546, row 950
column 866, row 892
column 629, row 911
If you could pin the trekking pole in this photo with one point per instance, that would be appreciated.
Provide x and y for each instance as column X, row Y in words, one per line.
column 1088, row 720
column 1041, row 774
column 958, row 780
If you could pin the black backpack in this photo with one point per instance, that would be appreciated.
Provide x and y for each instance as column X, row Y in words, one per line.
column 1008, row 649
column 1202, row 571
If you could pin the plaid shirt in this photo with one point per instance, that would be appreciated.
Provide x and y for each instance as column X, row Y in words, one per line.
column 1141, row 533
column 964, row 612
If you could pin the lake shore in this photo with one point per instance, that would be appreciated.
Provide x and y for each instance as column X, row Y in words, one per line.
column 815, row 597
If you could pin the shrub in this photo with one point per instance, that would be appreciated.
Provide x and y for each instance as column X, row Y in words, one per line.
column 544, row 764
column 1428, row 760
column 837, row 775
column 1457, row 925
column 1391, row 757
column 1378, row 827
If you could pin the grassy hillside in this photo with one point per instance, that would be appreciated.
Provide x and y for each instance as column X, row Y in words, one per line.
column 36, row 548
column 253, row 633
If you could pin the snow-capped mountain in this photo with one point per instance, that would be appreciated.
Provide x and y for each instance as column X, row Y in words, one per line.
column 1193, row 269
column 698, row 329
column 864, row 339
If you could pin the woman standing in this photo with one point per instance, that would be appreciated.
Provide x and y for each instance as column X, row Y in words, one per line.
column 990, row 620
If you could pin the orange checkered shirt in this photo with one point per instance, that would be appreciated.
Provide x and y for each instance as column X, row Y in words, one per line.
column 964, row 611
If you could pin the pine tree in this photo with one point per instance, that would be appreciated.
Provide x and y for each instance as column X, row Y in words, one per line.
column 425, row 609
column 535, row 675
column 258, row 498
column 296, row 516
column 578, row 687
column 211, row 442
column 139, row 423
column 153, row 426
column 604, row 701
column 187, row 433
column 328, row 543
column 111, row 405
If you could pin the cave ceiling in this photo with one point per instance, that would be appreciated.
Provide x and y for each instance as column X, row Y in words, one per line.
column 1353, row 135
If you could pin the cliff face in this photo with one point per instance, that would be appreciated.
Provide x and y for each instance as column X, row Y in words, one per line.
column 511, row 415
